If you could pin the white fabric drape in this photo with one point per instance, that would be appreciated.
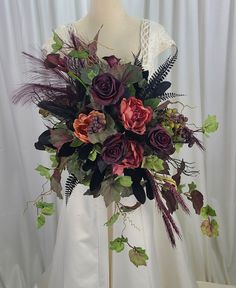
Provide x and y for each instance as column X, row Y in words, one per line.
column 204, row 31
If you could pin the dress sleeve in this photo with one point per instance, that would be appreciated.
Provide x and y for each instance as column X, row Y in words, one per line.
column 164, row 41
column 63, row 33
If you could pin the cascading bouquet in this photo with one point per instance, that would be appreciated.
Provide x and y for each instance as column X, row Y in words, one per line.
column 115, row 131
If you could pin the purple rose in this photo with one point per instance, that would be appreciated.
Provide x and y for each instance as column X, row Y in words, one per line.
column 106, row 89
column 114, row 149
column 112, row 60
column 160, row 141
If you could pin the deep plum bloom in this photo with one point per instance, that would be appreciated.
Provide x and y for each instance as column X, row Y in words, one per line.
column 112, row 60
column 160, row 141
column 114, row 149
column 132, row 159
column 106, row 89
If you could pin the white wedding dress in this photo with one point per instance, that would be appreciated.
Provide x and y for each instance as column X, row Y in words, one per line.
column 81, row 252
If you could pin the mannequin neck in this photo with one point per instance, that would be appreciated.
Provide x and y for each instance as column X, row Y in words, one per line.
column 106, row 11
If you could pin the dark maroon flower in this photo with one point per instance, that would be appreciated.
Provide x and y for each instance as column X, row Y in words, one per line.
column 114, row 149
column 160, row 141
column 111, row 60
column 55, row 61
column 106, row 89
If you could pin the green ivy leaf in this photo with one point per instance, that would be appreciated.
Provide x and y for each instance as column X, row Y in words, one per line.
column 138, row 256
column 131, row 89
column 54, row 160
column 43, row 171
column 152, row 102
column 207, row 211
column 76, row 142
column 178, row 146
column 112, row 220
column 58, row 42
column 124, row 181
column 87, row 74
column 192, row 186
column 92, row 155
column 180, row 188
column 79, row 54
column 210, row 125
column 210, row 228
column 110, row 192
column 118, row 244
column 40, row 220
column 41, row 204
column 48, row 210
column 152, row 162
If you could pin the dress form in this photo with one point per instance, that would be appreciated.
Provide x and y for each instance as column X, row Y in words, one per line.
column 120, row 33
column 82, row 236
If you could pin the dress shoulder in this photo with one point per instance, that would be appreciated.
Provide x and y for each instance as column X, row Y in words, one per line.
column 162, row 38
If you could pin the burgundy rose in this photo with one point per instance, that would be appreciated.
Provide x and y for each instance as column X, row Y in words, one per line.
column 106, row 89
column 160, row 141
column 114, row 149
column 112, row 60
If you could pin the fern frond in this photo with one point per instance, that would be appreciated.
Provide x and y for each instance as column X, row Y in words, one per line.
column 71, row 183
column 167, row 96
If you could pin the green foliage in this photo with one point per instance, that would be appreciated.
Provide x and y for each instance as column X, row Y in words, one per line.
column 87, row 74
column 180, row 188
column 152, row 162
column 58, row 43
column 210, row 228
column 138, row 256
column 92, row 155
column 207, row 211
column 76, row 142
column 54, row 160
column 178, row 146
column 43, row 171
column 110, row 191
column 210, row 124
column 124, row 181
column 47, row 209
column 112, row 220
column 60, row 136
column 79, row 54
column 152, row 102
column 118, row 244
column 192, row 186
column 40, row 220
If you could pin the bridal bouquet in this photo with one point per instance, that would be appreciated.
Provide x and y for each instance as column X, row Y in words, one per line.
column 115, row 131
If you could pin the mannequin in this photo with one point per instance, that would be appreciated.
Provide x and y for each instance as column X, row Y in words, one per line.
column 112, row 15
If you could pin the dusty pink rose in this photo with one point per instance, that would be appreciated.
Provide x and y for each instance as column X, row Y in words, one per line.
column 134, row 115
column 133, row 158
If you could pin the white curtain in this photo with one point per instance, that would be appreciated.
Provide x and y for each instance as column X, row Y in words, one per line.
column 205, row 32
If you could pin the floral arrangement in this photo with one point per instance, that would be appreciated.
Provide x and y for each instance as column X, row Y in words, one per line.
column 115, row 131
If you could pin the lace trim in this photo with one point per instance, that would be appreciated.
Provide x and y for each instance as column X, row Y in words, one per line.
column 145, row 36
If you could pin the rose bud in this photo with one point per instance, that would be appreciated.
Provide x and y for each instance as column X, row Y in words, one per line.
column 134, row 115
column 133, row 158
column 114, row 149
column 160, row 141
column 106, row 89
column 112, row 60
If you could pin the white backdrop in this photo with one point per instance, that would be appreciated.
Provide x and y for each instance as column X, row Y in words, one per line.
column 205, row 32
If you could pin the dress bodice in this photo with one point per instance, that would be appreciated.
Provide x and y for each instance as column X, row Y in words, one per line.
column 153, row 38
